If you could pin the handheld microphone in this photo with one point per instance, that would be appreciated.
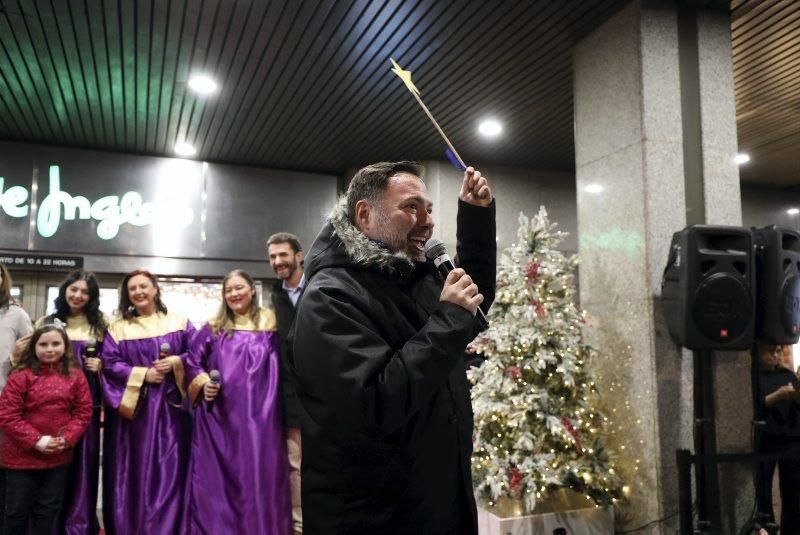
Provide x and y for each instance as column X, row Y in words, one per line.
column 213, row 376
column 435, row 250
column 91, row 348
column 91, row 378
column 164, row 351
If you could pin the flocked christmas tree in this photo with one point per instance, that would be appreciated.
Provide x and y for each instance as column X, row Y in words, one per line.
column 537, row 427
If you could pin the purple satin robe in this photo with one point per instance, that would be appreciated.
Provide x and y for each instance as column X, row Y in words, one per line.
column 144, row 459
column 239, row 471
column 79, row 510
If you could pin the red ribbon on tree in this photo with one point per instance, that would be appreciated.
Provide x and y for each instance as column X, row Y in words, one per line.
column 514, row 481
column 538, row 307
column 572, row 431
column 532, row 270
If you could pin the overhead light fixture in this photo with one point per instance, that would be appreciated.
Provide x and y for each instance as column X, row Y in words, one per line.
column 202, row 84
column 185, row 149
column 741, row 158
column 593, row 188
column 793, row 211
column 490, row 128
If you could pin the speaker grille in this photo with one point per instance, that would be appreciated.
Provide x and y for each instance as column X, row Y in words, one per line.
column 722, row 307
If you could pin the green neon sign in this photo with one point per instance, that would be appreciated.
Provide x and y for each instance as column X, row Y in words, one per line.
column 111, row 212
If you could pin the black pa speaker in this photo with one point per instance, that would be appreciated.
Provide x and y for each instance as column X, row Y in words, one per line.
column 778, row 287
column 708, row 289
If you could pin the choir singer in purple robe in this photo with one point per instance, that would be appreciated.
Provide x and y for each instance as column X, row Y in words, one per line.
column 238, row 471
column 146, row 445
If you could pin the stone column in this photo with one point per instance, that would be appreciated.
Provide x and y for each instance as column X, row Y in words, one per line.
column 631, row 160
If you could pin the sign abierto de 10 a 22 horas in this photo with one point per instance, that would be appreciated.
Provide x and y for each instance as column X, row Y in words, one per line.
column 41, row 262
column 111, row 211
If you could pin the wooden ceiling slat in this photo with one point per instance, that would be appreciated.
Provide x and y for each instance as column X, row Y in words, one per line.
column 224, row 18
column 546, row 41
column 15, row 98
column 15, row 124
column 256, row 72
column 772, row 45
column 764, row 43
column 549, row 38
column 421, row 56
column 744, row 24
column 287, row 64
column 46, row 75
column 343, row 41
column 763, row 73
column 89, row 33
column 113, row 67
column 152, row 29
column 767, row 89
column 286, row 109
column 185, row 44
column 170, row 97
column 81, row 85
column 339, row 75
column 142, row 68
column 25, row 68
column 55, row 30
column 237, row 78
column 371, row 89
column 193, row 104
column 230, row 54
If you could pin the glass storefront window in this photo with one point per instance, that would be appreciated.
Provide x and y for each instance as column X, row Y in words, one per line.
column 198, row 301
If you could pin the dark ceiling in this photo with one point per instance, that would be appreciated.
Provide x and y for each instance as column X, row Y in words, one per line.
column 306, row 85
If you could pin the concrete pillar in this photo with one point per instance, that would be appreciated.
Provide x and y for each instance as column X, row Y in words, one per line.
column 639, row 87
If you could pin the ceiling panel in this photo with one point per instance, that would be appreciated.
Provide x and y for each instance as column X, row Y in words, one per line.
column 306, row 85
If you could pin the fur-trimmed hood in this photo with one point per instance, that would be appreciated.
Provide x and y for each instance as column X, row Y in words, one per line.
column 341, row 243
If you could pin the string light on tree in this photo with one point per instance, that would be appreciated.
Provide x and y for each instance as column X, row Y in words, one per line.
column 536, row 429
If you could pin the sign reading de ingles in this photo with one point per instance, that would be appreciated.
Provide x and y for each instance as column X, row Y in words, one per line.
column 32, row 262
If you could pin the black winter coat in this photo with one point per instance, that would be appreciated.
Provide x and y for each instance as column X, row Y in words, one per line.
column 284, row 314
column 385, row 409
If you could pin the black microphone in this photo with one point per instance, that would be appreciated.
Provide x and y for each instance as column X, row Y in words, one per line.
column 213, row 377
column 91, row 377
column 436, row 251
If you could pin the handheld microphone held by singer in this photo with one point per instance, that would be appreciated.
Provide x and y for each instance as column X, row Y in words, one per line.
column 163, row 351
column 213, row 377
column 91, row 377
column 91, row 348
column 436, row 251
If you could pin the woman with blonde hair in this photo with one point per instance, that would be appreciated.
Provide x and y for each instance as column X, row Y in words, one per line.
column 238, row 470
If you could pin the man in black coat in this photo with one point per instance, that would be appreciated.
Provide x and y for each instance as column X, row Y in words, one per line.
column 286, row 259
column 378, row 346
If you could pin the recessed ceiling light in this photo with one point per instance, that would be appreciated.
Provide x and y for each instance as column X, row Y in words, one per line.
column 185, row 149
column 202, row 84
column 490, row 128
column 593, row 188
column 741, row 158
column 793, row 211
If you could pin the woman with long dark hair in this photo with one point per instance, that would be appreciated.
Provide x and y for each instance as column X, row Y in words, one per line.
column 241, row 484
column 146, row 445
column 78, row 308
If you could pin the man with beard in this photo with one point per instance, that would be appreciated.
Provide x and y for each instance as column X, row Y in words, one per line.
column 378, row 345
column 286, row 259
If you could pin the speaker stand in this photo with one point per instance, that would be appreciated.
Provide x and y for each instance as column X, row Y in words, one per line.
column 705, row 443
